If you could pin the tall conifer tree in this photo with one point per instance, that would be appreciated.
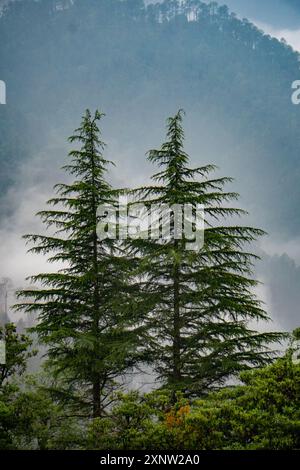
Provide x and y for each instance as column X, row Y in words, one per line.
column 83, row 314
column 198, row 303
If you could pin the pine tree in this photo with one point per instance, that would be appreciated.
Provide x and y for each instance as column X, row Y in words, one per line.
column 83, row 310
column 198, row 304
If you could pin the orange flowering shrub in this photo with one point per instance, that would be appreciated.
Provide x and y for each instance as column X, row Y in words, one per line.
column 177, row 417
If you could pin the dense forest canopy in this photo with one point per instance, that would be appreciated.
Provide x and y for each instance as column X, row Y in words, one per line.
column 278, row 13
column 138, row 63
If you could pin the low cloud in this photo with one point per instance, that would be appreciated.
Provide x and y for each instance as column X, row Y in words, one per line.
column 291, row 36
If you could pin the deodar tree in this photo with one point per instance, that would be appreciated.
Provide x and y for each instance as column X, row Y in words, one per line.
column 198, row 304
column 83, row 309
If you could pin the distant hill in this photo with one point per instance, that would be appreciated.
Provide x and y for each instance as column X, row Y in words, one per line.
column 139, row 65
column 277, row 13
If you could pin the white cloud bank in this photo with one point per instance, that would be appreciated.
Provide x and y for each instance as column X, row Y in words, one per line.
column 292, row 36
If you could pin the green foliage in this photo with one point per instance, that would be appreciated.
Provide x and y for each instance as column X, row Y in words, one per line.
column 198, row 302
column 14, row 417
column 195, row 307
column 184, row 312
column 134, row 423
column 17, row 352
column 81, row 320
column 263, row 413
column 31, row 419
column 296, row 334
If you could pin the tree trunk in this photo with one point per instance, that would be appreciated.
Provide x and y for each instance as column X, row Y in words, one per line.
column 96, row 380
column 176, row 327
column 96, row 399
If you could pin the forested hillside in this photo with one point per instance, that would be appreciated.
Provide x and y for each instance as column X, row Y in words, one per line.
column 277, row 13
column 139, row 64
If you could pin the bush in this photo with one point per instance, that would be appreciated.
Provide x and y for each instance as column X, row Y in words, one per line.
column 262, row 413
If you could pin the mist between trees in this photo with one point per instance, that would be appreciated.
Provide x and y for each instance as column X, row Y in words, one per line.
column 116, row 307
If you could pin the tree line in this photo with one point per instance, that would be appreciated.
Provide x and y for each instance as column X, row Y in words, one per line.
column 116, row 306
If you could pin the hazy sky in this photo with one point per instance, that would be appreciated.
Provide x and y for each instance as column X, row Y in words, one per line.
column 279, row 13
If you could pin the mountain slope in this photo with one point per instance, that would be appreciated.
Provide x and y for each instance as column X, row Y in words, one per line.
column 140, row 65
